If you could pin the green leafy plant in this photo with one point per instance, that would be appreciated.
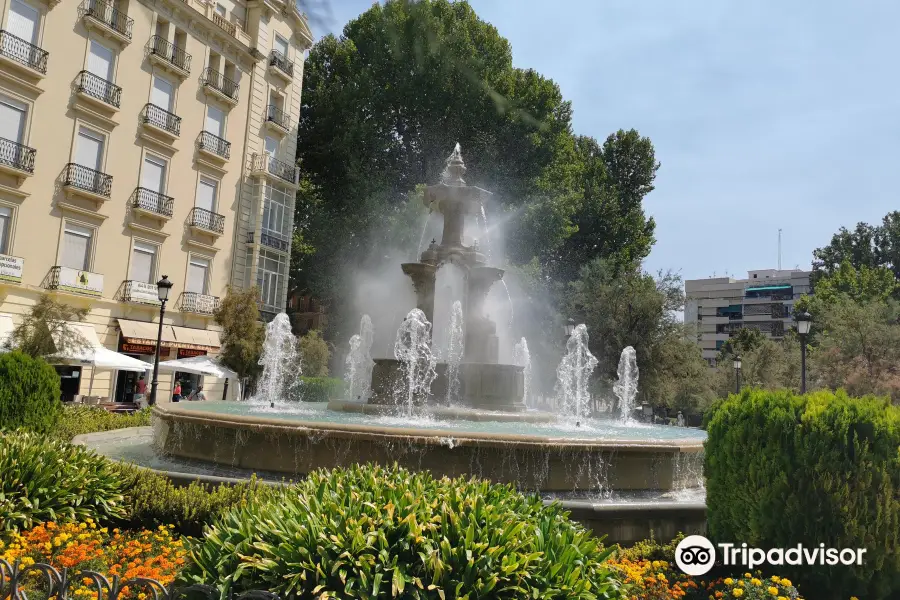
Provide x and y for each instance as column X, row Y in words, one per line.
column 47, row 480
column 44, row 331
column 78, row 420
column 368, row 532
column 315, row 354
column 823, row 468
column 320, row 389
column 29, row 393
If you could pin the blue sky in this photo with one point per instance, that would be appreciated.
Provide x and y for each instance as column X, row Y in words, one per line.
column 764, row 114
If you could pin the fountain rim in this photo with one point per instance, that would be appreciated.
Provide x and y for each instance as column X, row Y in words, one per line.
column 424, row 436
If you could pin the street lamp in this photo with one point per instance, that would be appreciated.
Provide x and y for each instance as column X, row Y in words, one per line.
column 737, row 373
column 804, row 323
column 162, row 290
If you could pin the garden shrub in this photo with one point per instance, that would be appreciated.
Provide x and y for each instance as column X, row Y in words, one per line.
column 369, row 532
column 47, row 480
column 320, row 389
column 152, row 500
column 29, row 393
column 78, row 420
column 784, row 469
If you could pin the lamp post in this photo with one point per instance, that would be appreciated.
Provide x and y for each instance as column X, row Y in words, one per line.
column 804, row 323
column 162, row 290
column 737, row 373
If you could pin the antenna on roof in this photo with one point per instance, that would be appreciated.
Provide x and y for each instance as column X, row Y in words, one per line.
column 779, row 248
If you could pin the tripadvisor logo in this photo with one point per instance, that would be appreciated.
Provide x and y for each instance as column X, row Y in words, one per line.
column 696, row 555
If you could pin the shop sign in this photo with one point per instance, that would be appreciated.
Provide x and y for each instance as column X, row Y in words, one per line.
column 190, row 353
column 11, row 268
column 84, row 282
column 145, row 349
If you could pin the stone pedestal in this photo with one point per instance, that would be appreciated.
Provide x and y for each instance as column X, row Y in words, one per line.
column 482, row 345
column 423, row 277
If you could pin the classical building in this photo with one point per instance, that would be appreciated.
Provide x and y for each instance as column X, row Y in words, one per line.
column 719, row 306
column 141, row 138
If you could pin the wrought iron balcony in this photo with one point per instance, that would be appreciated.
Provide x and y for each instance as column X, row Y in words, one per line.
column 263, row 163
column 280, row 62
column 22, row 52
column 207, row 220
column 107, row 14
column 17, row 156
column 218, row 82
column 153, row 202
column 213, row 144
column 201, row 304
column 98, row 88
column 169, row 52
column 225, row 24
column 140, row 292
column 278, row 117
column 271, row 241
column 88, row 180
column 161, row 119
column 68, row 279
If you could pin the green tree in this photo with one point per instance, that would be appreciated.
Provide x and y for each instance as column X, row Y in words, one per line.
column 743, row 341
column 242, row 332
column 315, row 354
column 862, row 284
column 867, row 245
column 45, row 326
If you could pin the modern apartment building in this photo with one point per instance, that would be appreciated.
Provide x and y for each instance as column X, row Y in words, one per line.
column 141, row 138
column 720, row 306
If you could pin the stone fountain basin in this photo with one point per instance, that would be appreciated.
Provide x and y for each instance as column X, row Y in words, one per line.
column 531, row 462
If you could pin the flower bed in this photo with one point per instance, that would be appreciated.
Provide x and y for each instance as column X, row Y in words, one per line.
column 85, row 546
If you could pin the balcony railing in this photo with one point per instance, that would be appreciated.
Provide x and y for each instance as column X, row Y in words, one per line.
column 74, row 280
column 17, row 49
column 280, row 62
column 140, row 292
column 160, row 46
column 163, row 119
column 275, row 167
column 154, row 202
column 272, row 241
column 89, row 180
column 215, row 80
column 208, row 220
column 96, row 87
column 201, row 304
column 225, row 24
column 278, row 116
column 107, row 14
column 213, row 143
column 17, row 156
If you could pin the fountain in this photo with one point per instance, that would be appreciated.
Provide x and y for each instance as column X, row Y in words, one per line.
column 280, row 362
column 626, row 388
column 463, row 413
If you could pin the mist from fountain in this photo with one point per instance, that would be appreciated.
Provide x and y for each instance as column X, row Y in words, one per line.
column 455, row 352
column 280, row 361
column 448, row 177
column 417, row 362
column 359, row 362
column 574, row 374
column 522, row 358
column 626, row 387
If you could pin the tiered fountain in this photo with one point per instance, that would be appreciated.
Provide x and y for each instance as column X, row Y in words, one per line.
column 462, row 414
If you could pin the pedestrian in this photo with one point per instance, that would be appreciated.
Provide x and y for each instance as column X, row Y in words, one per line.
column 176, row 393
column 197, row 395
column 140, row 398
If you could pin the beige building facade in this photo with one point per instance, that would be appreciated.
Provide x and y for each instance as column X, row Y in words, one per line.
column 142, row 138
column 718, row 307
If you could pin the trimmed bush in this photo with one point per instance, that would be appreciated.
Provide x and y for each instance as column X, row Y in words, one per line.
column 47, row 480
column 368, row 532
column 320, row 389
column 152, row 500
column 29, row 393
column 78, row 420
column 784, row 470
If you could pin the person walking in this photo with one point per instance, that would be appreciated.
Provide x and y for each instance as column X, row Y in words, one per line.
column 140, row 398
column 176, row 393
column 198, row 395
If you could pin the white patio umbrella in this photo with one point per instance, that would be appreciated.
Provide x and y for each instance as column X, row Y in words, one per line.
column 89, row 351
column 202, row 365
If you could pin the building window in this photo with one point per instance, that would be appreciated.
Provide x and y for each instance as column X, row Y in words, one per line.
column 101, row 61
column 220, row 10
column 154, row 176
column 198, row 275
column 207, row 192
column 215, row 121
column 280, row 45
column 5, row 229
column 77, row 245
column 276, row 212
column 162, row 94
column 12, row 119
column 89, row 150
column 271, row 146
column 270, row 278
column 24, row 21
column 143, row 262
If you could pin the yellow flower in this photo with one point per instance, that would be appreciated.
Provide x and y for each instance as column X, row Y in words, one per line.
column 755, row 581
column 776, row 579
column 773, row 590
column 104, row 530
column 853, row 598
column 740, row 583
column 785, row 598
column 748, row 575
column 729, row 581
column 786, row 582
column 738, row 592
column 82, row 526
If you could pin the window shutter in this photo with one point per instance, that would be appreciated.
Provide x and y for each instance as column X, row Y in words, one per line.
column 142, row 260
column 100, row 61
column 197, row 275
column 206, row 195
column 77, row 247
column 90, row 149
column 23, row 21
column 163, row 94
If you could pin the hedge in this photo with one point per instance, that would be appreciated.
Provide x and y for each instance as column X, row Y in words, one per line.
column 29, row 393
column 784, row 469
column 78, row 420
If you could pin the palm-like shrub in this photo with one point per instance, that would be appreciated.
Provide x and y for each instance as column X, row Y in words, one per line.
column 29, row 393
column 47, row 480
column 368, row 532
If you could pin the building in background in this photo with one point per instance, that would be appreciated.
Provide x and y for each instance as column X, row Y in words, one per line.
column 719, row 306
column 141, row 138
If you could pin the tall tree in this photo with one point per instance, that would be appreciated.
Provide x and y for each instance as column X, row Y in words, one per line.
column 867, row 245
column 43, row 330
column 242, row 332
